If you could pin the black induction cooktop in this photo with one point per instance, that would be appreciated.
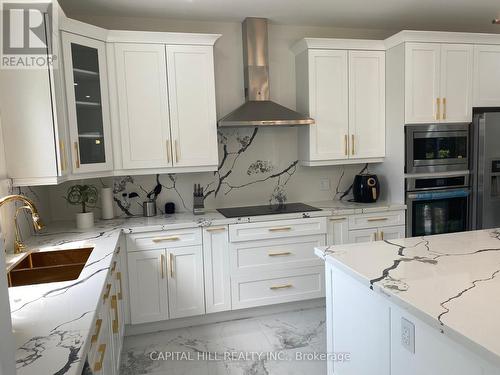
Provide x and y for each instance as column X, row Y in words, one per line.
column 287, row 208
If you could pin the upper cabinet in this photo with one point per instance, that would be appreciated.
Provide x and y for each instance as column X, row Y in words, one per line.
column 165, row 107
column 486, row 76
column 88, row 103
column 344, row 91
column 438, row 82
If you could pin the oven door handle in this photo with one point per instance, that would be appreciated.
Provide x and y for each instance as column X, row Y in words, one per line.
column 439, row 195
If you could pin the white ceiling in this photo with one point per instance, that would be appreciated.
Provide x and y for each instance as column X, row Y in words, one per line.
column 452, row 15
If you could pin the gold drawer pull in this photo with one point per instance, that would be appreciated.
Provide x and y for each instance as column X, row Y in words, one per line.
column 114, row 307
column 162, row 265
column 95, row 337
column 177, row 152
column 62, row 153
column 346, row 145
column 353, row 143
column 164, row 239
column 169, row 151
column 108, row 290
column 279, row 254
column 280, row 229
column 119, row 278
column 114, row 267
column 171, row 261
column 444, row 108
column 98, row 365
column 221, row 229
column 378, row 219
column 382, row 235
column 337, row 218
column 281, row 287
column 438, row 113
column 77, row 155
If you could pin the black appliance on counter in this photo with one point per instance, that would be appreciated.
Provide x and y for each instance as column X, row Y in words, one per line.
column 366, row 188
column 285, row 208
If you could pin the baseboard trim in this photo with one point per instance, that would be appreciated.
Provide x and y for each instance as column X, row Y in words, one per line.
column 138, row 329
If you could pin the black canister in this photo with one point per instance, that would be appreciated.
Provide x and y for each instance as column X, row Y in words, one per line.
column 366, row 188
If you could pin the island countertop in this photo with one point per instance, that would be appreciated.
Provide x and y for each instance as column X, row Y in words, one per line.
column 451, row 281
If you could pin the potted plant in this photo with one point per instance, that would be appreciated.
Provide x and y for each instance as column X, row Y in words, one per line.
column 84, row 196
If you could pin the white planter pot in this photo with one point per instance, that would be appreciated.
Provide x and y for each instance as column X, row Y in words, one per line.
column 85, row 220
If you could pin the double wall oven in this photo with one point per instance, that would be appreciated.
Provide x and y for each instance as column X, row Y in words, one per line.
column 438, row 188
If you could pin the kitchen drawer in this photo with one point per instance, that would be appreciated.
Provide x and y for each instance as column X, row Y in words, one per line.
column 270, row 288
column 164, row 239
column 275, row 254
column 377, row 220
column 277, row 229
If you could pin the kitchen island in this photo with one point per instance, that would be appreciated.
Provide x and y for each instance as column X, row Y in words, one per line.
column 424, row 305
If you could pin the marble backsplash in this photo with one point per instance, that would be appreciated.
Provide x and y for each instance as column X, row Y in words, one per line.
column 256, row 166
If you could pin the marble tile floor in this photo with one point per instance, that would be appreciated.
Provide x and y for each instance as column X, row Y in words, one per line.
column 272, row 344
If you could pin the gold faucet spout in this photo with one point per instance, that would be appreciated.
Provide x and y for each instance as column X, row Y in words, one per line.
column 35, row 216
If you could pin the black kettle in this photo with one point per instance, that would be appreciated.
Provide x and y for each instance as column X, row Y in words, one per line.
column 366, row 188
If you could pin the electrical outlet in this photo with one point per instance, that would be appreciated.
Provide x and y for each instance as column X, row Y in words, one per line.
column 408, row 335
column 324, row 184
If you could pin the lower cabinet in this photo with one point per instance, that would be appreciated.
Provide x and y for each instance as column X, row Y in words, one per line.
column 165, row 283
column 338, row 230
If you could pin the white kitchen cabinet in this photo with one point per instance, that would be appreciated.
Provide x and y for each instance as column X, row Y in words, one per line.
column 87, row 94
column 438, row 82
column 344, row 91
column 367, row 104
column 486, row 76
column 363, row 235
column 141, row 80
column 216, row 269
column 185, row 281
column 391, row 233
column 338, row 230
column 191, row 91
column 147, row 286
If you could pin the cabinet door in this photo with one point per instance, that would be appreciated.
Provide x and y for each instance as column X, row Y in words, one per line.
column 216, row 267
column 338, row 231
column 422, row 76
column 141, row 79
column 486, row 76
column 328, row 105
column 88, row 103
column 147, row 286
column 363, row 235
column 191, row 90
column 456, row 82
column 392, row 233
column 367, row 104
column 185, row 282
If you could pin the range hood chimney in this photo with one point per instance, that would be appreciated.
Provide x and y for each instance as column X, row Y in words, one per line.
column 258, row 110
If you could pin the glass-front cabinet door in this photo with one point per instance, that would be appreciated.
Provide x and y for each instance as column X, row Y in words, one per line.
column 88, row 104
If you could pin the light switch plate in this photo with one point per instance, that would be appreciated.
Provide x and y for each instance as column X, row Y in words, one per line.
column 408, row 335
column 324, row 184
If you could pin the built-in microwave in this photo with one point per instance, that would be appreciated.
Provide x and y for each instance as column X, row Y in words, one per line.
column 437, row 148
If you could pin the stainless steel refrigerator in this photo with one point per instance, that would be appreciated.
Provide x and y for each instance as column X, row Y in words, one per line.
column 486, row 170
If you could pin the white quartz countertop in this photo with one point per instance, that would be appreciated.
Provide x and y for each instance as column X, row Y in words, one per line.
column 52, row 322
column 451, row 282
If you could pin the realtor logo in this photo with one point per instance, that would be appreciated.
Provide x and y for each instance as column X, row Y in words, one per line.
column 26, row 35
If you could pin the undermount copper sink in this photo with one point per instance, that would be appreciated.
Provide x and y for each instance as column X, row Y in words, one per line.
column 49, row 267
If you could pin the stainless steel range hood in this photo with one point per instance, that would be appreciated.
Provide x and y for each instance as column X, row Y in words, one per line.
column 258, row 110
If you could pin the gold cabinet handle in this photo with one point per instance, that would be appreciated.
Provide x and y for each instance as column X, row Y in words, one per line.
column 177, row 151
column 164, row 239
column 378, row 219
column 281, row 287
column 337, row 218
column 382, row 235
column 95, row 336
column 119, row 278
column 375, row 236
column 108, row 290
column 444, row 108
column 162, row 265
column 279, row 254
column 438, row 113
column 171, row 261
column 280, row 229
column 353, row 140
column 221, row 229
column 346, row 145
column 62, row 155
column 102, row 351
column 113, row 268
column 114, row 307
column 169, row 151
column 77, row 152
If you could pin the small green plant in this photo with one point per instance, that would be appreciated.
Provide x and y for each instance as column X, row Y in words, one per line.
column 84, row 195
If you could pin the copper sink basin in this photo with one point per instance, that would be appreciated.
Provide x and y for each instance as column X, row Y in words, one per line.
column 49, row 267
